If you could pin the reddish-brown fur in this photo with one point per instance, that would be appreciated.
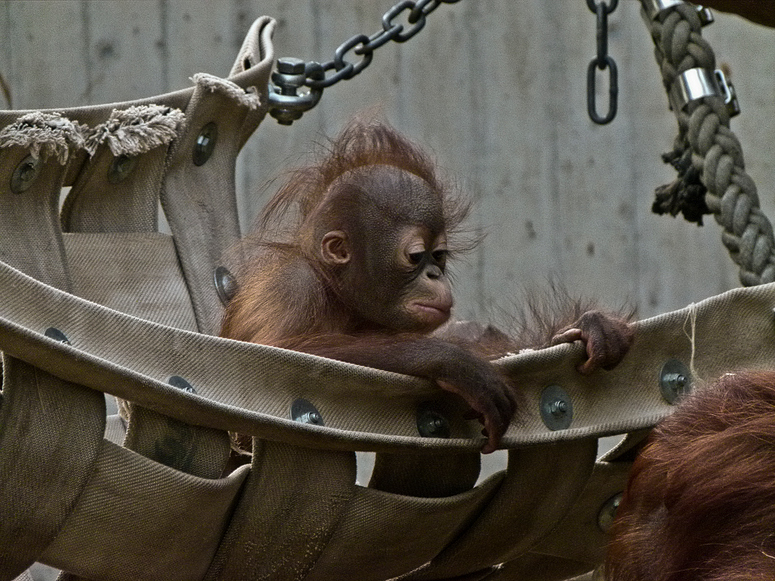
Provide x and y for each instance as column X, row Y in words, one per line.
column 286, row 230
column 349, row 260
column 700, row 502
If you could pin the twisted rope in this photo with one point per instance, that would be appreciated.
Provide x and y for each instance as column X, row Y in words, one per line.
column 708, row 155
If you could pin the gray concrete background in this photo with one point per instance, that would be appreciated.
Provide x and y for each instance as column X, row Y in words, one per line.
column 496, row 89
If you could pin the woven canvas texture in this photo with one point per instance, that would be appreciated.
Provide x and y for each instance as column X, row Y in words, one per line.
column 95, row 301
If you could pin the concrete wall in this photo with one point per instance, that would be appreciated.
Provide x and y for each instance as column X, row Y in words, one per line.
column 496, row 89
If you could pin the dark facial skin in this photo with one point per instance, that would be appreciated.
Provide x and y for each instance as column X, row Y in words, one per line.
column 395, row 276
column 413, row 273
column 426, row 301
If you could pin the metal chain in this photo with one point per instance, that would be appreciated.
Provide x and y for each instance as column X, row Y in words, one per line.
column 286, row 105
column 602, row 62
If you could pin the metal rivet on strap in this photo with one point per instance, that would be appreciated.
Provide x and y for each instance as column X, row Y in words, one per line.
column 431, row 423
column 122, row 166
column 304, row 412
column 180, row 383
column 205, row 143
column 56, row 335
column 675, row 381
column 225, row 284
column 556, row 408
column 608, row 512
column 25, row 174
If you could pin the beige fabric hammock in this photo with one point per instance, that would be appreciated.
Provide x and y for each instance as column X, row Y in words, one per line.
column 94, row 300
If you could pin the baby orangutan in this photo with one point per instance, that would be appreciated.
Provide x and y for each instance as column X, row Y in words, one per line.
column 360, row 275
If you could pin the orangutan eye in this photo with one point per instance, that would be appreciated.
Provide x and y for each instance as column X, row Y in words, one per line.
column 440, row 256
column 416, row 257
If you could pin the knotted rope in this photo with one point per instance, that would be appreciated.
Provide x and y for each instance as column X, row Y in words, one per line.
column 708, row 155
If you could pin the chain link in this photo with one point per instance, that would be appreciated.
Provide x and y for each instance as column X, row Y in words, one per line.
column 364, row 46
column 399, row 24
column 602, row 62
column 593, row 7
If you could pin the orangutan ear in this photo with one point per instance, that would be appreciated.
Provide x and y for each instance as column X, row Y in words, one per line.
column 335, row 248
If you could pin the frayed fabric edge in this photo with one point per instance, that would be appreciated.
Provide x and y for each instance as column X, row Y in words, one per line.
column 45, row 135
column 136, row 130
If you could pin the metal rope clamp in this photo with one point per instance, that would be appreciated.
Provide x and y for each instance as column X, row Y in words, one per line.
column 697, row 83
column 653, row 9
